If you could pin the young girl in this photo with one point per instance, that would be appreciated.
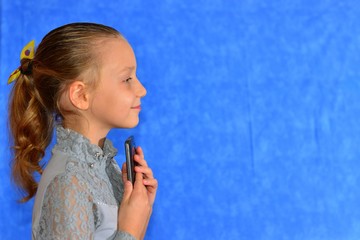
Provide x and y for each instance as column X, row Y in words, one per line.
column 82, row 80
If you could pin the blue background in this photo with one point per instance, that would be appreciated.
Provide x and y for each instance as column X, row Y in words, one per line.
column 251, row 118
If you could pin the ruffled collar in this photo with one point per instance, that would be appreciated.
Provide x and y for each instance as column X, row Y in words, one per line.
column 76, row 145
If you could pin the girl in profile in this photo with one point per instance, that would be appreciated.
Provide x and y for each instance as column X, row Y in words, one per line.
column 81, row 80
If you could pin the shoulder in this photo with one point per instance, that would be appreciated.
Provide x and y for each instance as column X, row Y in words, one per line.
column 64, row 174
column 60, row 172
column 64, row 169
column 67, row 185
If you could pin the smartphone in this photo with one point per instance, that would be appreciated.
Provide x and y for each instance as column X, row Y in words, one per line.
column 130, row 163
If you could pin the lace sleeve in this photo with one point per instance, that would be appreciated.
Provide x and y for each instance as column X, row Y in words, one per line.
column 67, row 211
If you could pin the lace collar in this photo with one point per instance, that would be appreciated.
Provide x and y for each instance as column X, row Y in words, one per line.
column 76, row 145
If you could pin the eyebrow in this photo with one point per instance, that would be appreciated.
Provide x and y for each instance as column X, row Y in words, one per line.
column 127, row 69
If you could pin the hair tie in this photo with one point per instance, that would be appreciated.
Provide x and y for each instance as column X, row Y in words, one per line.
column 28, row 70
column 26, row 53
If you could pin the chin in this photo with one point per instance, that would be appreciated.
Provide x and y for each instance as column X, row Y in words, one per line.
column 130, row 124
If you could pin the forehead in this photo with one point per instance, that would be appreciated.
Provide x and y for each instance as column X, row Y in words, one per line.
column 116, row 54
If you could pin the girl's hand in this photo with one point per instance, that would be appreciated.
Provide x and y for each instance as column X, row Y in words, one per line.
column 137, row 202
column 149, row 181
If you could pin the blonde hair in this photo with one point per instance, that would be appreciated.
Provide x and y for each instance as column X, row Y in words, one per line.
column 63, row 55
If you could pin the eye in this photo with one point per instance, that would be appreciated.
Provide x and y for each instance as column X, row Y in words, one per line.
column 128, row 80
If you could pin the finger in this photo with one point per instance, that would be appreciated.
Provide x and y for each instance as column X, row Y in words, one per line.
column 138, row 184
column 138, row 179
column 128, row 188
column 124, row 172
column 151, row 184
column 141, row 161
column 123, row 168
column 140, row 152
column 148, row 173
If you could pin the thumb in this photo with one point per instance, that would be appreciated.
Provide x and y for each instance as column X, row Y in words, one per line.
column 128, row 187
column 124, row 172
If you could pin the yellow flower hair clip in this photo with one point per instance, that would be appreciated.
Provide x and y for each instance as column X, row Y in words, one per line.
column 26, row 53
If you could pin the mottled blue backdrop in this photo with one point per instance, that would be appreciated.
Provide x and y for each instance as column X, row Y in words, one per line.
column 251, row 118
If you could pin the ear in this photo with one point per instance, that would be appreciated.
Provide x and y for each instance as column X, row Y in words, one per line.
column 78, row 95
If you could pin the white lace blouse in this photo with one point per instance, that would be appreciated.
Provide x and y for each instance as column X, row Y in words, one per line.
column 79, row 192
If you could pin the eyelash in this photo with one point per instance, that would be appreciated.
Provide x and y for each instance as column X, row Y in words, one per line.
column 128, row 80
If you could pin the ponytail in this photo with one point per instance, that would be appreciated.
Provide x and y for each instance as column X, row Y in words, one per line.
column 31, row 126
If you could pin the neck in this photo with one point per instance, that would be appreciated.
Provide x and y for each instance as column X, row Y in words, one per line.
column 95, row 134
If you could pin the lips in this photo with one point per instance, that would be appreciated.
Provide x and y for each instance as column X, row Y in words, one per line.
column 137, row 107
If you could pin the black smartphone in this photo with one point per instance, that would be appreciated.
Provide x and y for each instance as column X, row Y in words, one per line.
column 130, row 163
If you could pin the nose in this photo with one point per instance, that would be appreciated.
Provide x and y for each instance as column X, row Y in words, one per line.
column 140, row 90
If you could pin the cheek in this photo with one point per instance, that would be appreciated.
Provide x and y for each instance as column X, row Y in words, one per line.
column 113, row 103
